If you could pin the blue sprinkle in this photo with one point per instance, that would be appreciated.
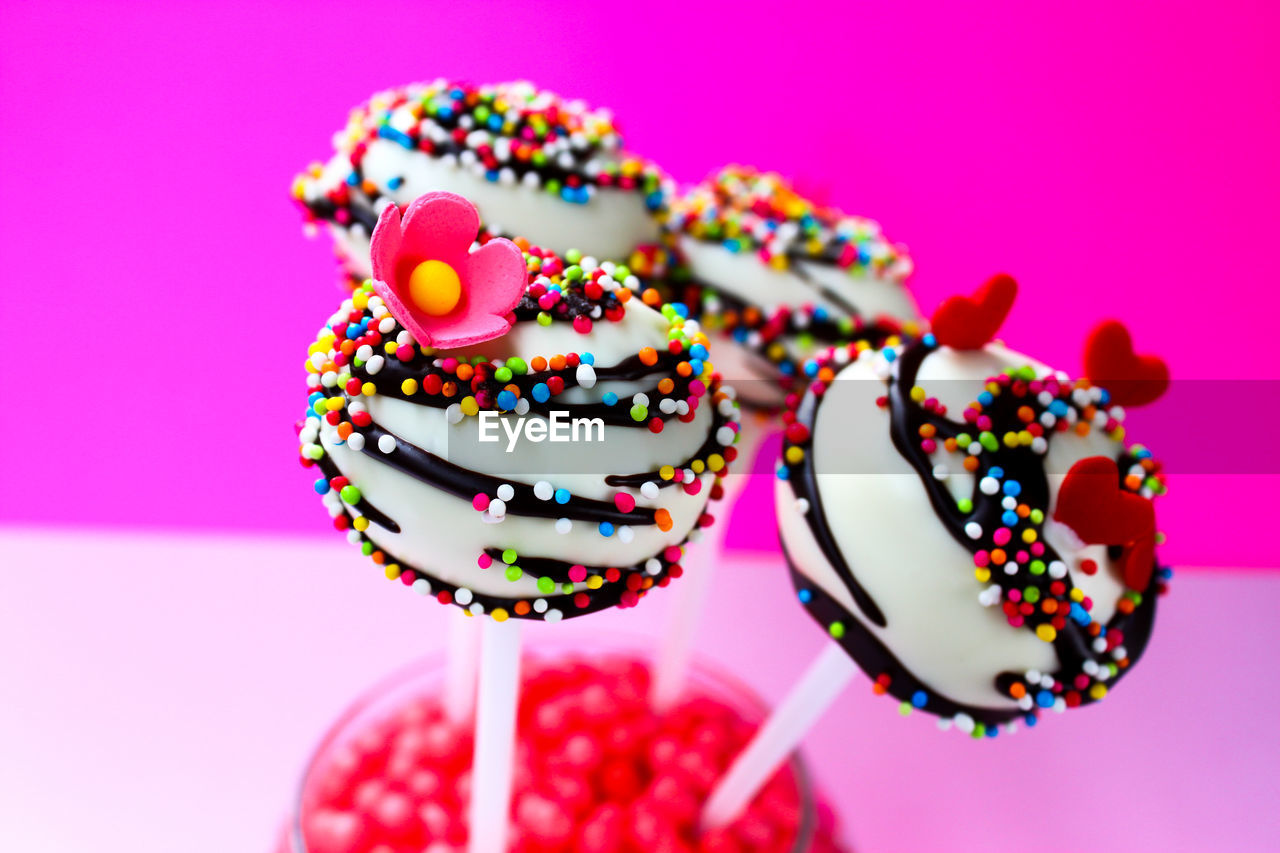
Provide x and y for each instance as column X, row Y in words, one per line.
column 805, row 596
column 696, row 365
column 1031, row 719
column 353, row 179
column 457, row 94
column 1009, row 519
column 783, row 473
column 491, row 175
column 811, row 368
column 1080, row 615
column 395, row 183
column 681, row 310
column 1105, row 397
column 495, row 122
column 354, row 332
column 890, row 355
column 506, row 400
column 992, row 730
column 562, row 496
column 654, row 200
column 609, row 398
column 587, row 358
column 606, row 529
column 919, row 698
column 786, row 368
column 698, row 351
column 389, row 132
column 1058, row 408
column 311, row 399
column 445, row 112
column 1012, row 488
column 996, row 471
column 732, row 244
column 819, row 313
column 930, row 340
column 541, row 392
column 322, row 487
column 985, row 398
column 1165, row 573
column 740, row 335
column 1044, row 699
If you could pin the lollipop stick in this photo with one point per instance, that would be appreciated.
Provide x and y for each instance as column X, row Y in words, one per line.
column 689, row 594
column 494, row 766
column 460, row 668
column 790, row 721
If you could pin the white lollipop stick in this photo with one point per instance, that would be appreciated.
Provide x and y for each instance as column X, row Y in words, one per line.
column 460, row 668
column 494, row 766
column 689, row 594
column 824, row 680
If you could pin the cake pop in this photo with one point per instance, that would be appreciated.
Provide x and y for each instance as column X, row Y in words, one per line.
column 438, row 395
column 970, row 525
column 536, row 165
column 781, row 278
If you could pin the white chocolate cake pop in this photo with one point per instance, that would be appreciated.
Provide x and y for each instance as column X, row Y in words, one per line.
column 969, row 524
column 781, row 278
column 447, row 346
column 535, row 165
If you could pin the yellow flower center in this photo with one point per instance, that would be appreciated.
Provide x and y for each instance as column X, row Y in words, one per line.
column 435, row 287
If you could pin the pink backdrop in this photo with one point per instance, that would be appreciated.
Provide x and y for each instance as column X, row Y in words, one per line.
column 159, row 295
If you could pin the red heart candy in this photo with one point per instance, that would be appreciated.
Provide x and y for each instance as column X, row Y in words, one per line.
column 969, row 322
column 1109, row 361
column 1138, row 563
column 1091, row 503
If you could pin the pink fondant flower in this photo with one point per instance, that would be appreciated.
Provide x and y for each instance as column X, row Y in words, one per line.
column 443, row 293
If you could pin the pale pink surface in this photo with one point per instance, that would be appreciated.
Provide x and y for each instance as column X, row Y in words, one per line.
column 160, row 695
column 1118, row 159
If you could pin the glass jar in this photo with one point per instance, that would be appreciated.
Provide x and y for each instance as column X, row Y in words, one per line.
column 426, row 678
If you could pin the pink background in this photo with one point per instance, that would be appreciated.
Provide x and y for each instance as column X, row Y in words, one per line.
column 1119, row 161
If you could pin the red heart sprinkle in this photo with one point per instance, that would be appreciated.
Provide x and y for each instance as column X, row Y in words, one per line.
column 1109, row 361
column 1091, row 503
column 969, row 322
column 1138, row 563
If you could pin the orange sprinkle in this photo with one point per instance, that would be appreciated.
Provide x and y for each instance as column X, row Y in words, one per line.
column 667, row 385
column 344, row 430
column 648, row 356
column 557, row 362
column 998, row 556
column 623, row 294
column 1017, row 690
column 650, row 298
column 971, row 463
column 449, row 389
column 378, row 557
column 663, row 518
column 465, row 372
column 538, row 363
column 521, row 608
column 928, row 430
column 1082, row 428
column 684, row 369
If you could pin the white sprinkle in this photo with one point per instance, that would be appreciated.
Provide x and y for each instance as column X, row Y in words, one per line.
column 1011, row 568
column 682, row 407
column 563, row 526
column 476, row 609
column 626, row 534
column 649, row 490
column 543, row 491
column 329, row 380
column 586, row 375
column 1090, row 667
column 387, row 443
column 422, row 587
column 365, row 352
column 1026, row 703
column 1039, row 445
column 973, row 530
column 453, row 414
column 353, row 536
column 1057, row 569
column 989, row 485
column 506, row 492
column 498, row 508
column 652, row 566
column 802, row 506
column 1009, row 502
column 386, row 324
column 522, row 406
column 725, row 436
column 640, row 399
column 1033, row 676
column 941, row 472
column 1100, row 645
column 1119, row 653
column 540, row 605
column 964, row 723
column 356, row 441
column 374, row 365
column 553, row 615
column 463, row 596
column 666, row 405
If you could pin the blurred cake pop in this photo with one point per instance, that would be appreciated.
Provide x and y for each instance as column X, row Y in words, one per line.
column 536, row 165
column 510, row 431
column 970, row 525
column 781, row 278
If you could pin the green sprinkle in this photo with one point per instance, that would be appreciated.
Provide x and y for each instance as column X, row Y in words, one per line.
column 573, row 256
column 639, row 413
column 836, row 629
column 517, row 366
column 964, row 505
column 502, row 374
column 989, row 441
column 1037, row 567
column 1031, row 594
column 964, row 439
column 546, row 586
column 509, row 556
column 1036, row 516
column 544, row 319
column 350, row 494
column 573, row 273
column 366, row 548
column 904, row 708
column 514, row 573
